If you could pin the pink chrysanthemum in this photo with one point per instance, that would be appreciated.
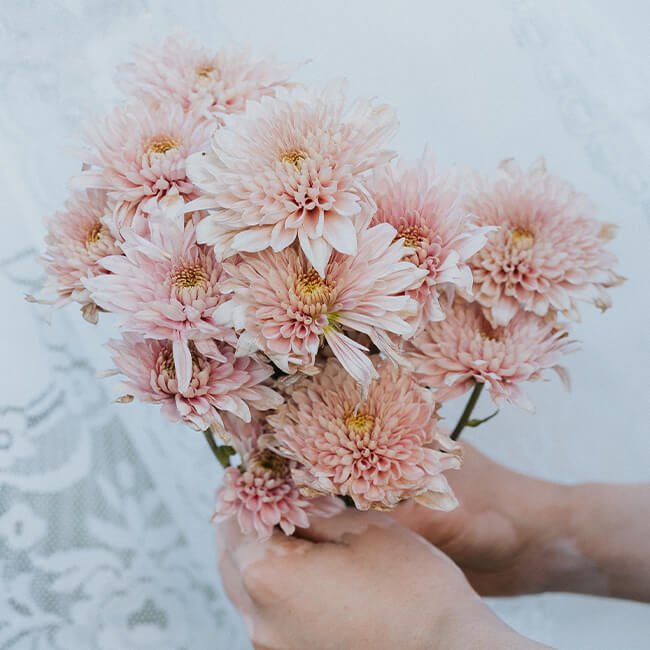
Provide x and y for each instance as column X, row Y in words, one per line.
column 165, row 288
column 285, row 308
column 77, row 239
column 449, row 356
column 548, row 252
column 219, row 384
column 184, row 72
column 137, row 154
column 292, row 167
column 262, row 493
column 378, row 450
column 424, row 207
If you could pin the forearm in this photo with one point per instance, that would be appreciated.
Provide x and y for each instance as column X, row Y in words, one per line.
column 597, row 541
column 475, row 627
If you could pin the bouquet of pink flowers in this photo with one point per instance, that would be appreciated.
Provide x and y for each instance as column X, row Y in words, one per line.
column 308, row 304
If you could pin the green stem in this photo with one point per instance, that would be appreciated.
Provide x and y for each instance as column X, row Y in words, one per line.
column 220, row 453
column 467, row 412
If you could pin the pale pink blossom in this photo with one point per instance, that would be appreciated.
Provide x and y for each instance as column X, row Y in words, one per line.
column 284, row 308
column 220, row 383
column 165, row 287
column 77, row 239
column 137, row 154
column 425, row 208
column 183, row 71
column 292, row 167
column 261, row 493
column 450, row 355
column 378, row 450
column 548, row 252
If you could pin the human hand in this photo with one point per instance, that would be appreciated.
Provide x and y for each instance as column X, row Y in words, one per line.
column 514, row 534
column 358, row 580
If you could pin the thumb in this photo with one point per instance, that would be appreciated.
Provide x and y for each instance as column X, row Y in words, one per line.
column 348, row 522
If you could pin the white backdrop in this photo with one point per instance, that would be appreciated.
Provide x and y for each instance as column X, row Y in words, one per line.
column 104, row 539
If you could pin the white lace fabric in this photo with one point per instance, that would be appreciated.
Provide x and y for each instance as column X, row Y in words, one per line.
column 104, row 534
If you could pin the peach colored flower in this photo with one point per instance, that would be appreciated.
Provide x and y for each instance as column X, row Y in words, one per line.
column 137, row 154
column 377, row 450
column 424, row 207
column 220, row 383
column 292, row 167
column 165, row 287
column 183, row 71
column 262, row 494
column 77, row 239
column 285, row 309
column 548, row 253
column 450, row 355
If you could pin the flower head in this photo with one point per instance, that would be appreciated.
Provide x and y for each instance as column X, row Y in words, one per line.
column 137, row 154
column 378, row 450
column 165, row 287
column 220, row 382
column 262, row 493
column 215, row 84
column 548, row 253
column 292, row 167
column 424, row 207
column 285, row 308
column 449, row 356
column 77, row 239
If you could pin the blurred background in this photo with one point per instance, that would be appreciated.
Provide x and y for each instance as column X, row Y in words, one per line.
column 104, row 534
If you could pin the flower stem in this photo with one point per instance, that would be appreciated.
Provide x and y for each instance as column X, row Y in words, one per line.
column 221, row 453
column 467, row 412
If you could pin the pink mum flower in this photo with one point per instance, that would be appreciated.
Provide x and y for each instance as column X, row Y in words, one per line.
column 424, row 207
column 548, row 252
column 77, row 239
column 292, row 167
column 449, row 356
column 378, row 450
column 220, row 383
column 285, row 308
column 137, row 154
column 165, row 288
column 262, row 494
column 183, row 71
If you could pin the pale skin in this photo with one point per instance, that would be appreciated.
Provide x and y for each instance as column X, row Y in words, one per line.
column 363, row 580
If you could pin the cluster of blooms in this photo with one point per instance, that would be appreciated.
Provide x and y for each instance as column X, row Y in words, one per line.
column 280, row 281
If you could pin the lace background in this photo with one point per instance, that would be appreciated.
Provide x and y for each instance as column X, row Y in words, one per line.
column 104, row 534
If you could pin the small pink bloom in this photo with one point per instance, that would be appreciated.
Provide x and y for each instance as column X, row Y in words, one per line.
column 165, row 288
column 548, row 253
column 292, row 167
column 220, row 383
column 449, row 356
column 215, row 84
column 262, row 494
column 378, row 450
column 286, row 309
column 137, row 154
column 77, row 239
column 424, row 207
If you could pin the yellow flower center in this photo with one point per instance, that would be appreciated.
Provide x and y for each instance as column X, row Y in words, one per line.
column 204, row 71
column 359, row 424
column 312, row 288
column 269, row 461
column 94, row 234
column 186, row 277
column 163, row 145
column 167, row 362
column 294, row 157
column 412, row 236
column 521, row 237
